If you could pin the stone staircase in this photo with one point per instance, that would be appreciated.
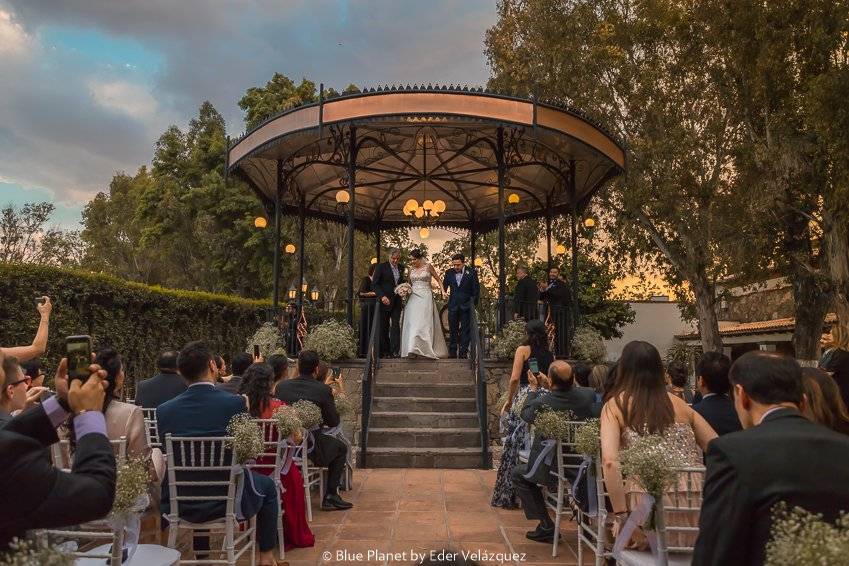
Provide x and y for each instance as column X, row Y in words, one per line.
column 424, row 416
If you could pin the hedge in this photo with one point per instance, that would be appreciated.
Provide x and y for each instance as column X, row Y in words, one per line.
column 138, row 320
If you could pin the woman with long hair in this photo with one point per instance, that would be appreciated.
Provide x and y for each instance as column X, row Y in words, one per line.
column 534, row 350
column 257, row 389
column 835, row 360
column 823, row 403
column 639, row 404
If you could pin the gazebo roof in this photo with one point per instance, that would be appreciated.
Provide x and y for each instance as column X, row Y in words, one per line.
column 428, row 143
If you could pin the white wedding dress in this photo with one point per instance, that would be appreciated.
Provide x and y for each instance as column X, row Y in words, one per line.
column 421, row 331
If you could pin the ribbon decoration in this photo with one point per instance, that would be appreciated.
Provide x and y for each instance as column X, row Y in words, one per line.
column 588, row 468
column 545, row 456
column 243, row 474
column 129, row 522
column 637, row 518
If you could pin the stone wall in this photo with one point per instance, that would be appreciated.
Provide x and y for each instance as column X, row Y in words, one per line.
column 497, row 382
column 766, row 304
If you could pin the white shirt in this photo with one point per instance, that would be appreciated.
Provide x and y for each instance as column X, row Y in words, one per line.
column 771, row 411
column 459, row 276
column 395, row 272
column 202, row 383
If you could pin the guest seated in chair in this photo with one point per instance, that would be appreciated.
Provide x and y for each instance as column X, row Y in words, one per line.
column 164, row 386
column 716, row 406
column 203, row 410
column 329, row 451
column 564, row 395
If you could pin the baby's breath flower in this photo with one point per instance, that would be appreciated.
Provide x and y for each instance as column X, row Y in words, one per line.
column 131, row 484
column 27, row 553
column 287, row 421
column 247, row 437
column 345, row 405
column 588, row 438
column 309, row 413
column 552, row 424
column 799, row 537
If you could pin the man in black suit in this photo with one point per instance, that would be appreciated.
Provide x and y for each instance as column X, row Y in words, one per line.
column 564, row 396
column 465, row 292
column 329, row 451
column 164, row 386
column 716, row 406
column 555, row 293
column 240, row 363
column 203, row 410
column 525, row 295
column 780, row 456
column 36, row 495
column 387, row 276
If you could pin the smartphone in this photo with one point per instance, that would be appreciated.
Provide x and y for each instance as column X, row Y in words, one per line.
column 533, row 365
column 40, row 300
column 256, row 351
column 78, row 352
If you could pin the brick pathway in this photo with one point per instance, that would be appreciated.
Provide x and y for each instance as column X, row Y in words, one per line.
column 404, row 510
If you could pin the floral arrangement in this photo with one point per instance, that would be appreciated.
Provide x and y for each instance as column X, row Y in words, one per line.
column 131, row 485
column 519, row 402
column 800, row 537
column 588, row 346
column 332, row 340
column 345, row 405
column 504, row 345
column 288, row 421
column 269, row 340
column 549, row 423
column 27, row 553
column 404, row 290
column 309, row 413
column 588, row 438
column 652, row 463
column 247, row 440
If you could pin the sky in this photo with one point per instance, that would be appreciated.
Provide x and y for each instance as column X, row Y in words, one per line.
column 87, row 86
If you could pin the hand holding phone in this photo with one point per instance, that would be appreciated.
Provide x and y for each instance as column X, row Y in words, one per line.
column 533, row 365
column 78, row 353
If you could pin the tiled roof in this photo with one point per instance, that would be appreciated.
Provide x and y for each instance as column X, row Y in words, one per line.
column 757, row 327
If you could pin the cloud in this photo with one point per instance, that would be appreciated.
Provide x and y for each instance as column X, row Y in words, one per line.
column 125, row 97
column 13, row 38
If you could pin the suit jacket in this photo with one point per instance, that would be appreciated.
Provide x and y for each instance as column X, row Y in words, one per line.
column 201, row 410
column 785, row 458
column 525, row 298
column 231, row 386
column 718, row 411
column 383, row 280
column 152, row 392
column 579, row 400
column 467, row 291
column 556, row 294
column 36, row 495
column 308, row 388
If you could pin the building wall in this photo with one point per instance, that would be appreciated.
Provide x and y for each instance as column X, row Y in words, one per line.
column 656, row 322
column 766, row 304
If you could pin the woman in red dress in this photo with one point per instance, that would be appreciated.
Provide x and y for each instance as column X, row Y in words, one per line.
column 256, row 387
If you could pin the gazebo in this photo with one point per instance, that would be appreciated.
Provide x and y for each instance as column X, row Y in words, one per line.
column 426, row 157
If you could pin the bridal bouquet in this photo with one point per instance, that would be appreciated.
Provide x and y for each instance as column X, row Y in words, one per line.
column 404, row 290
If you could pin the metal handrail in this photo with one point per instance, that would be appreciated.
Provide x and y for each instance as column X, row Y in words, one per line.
column 369, row 376
column 477, row 362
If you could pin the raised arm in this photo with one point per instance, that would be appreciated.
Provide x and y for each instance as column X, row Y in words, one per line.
column 39, row 343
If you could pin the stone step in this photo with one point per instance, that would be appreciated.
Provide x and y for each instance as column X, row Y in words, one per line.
column 424, row 437
column 455, row 458
column 423, row 404
column 430, row 390
column 433, row 419
column 421, row 363
column 419, row 376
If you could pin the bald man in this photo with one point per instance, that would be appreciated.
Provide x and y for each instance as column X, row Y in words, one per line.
column 564, row 395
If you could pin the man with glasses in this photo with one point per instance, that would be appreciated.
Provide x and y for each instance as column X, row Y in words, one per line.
column 17, row 394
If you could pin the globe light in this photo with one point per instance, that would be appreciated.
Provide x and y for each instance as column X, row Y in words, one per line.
column 410, row 206
column 419, row 212
column 439, row 206
column 513, row 198
column 260, row 222
column 427, row 205
column 343, row 197
column 424, row 233
column 478, row 262
column 373, row 260
column 589, row 222
column 290, row 248
column 560, row 249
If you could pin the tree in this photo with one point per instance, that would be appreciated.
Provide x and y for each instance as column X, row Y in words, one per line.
column 25, row 239
column 645, row 70
column 278, row 94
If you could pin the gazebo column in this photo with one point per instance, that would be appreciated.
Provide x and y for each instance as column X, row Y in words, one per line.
column 548, row 236
column 472, row 244
column 301, row 255
column 377, row 243
column 502, row 268
column 352, row 171
column 275, row 298
column 576, row 311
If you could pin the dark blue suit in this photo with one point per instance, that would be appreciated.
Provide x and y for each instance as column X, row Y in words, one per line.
column 459, row 307
column 718, row 411
column 203, row 410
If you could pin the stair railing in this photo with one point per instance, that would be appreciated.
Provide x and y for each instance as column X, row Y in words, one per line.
column 477, row 362
column 369, row 377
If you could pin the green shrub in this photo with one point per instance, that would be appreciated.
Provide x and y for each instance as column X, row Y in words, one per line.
column 504, row 345
column 587, row 345
column 332, row 340
column 138, row 320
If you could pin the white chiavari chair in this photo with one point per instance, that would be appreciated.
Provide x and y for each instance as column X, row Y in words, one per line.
column 313, row 475
column 204, row 470
column 271, row 463
column 566, row 465
column 592, row 525
column 62, row 457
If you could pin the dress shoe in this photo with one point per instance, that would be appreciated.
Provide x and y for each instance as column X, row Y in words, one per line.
column 541, row 534
column 333, row 502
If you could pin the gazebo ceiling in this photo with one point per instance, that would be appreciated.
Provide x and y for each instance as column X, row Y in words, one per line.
column 428, row 144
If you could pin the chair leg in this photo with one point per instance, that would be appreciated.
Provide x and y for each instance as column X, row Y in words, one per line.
column 281, row 542
column 307, row 498
column 252, row 541
column 557, row 515
column 173, row 530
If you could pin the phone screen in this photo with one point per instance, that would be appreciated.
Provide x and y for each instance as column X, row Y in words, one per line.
column 78, row 352
column 533, row 365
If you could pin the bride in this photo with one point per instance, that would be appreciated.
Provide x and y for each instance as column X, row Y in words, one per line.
column 421, row 332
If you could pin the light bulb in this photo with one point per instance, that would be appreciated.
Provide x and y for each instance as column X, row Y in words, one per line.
column 589, row 222
column 343, row 197
column 513, row 198
column 373, row 260
column 419, row 212
column 439, row 206
column 411, row 205
column 560, row 249
column 260, row 222
column 424, row 233
column 290, row 248
column 478, row 262
column 427, row 205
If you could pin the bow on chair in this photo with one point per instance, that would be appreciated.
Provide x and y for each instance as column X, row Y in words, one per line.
column 636, row 518
column 546, row 456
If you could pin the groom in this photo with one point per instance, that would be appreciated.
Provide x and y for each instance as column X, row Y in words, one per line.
column 465, row 289
column 387, row 276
